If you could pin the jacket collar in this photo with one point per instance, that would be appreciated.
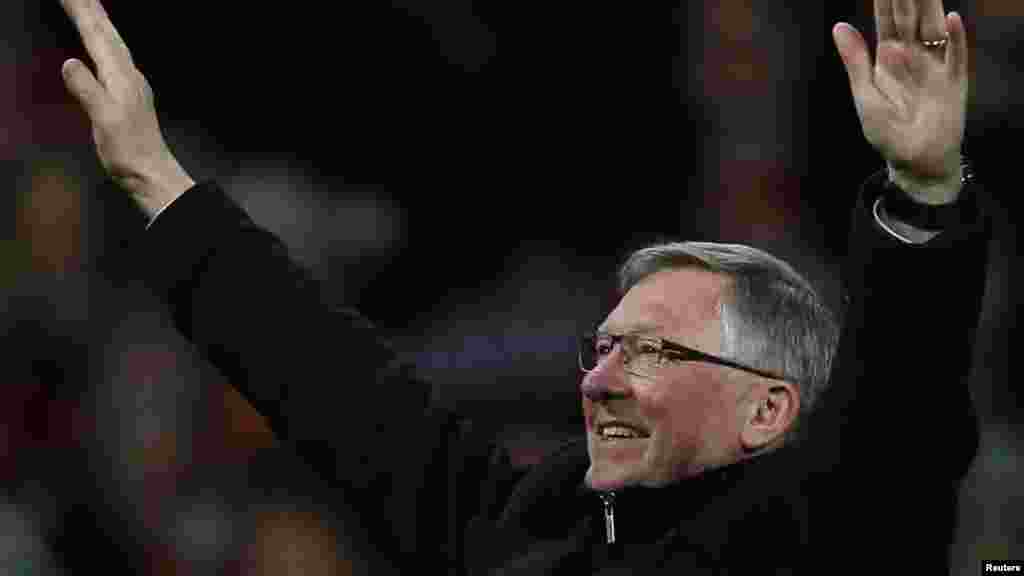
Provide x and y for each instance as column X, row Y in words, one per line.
column 645, row 513
column 553, row 497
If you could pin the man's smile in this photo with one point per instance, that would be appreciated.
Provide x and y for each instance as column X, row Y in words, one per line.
column 611, row 430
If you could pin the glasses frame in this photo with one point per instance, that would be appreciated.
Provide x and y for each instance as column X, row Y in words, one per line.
column 685, row 353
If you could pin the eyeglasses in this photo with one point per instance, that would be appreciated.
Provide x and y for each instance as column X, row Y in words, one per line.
column 649, row 356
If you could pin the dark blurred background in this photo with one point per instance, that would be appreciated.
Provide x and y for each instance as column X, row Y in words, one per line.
column 471, row 197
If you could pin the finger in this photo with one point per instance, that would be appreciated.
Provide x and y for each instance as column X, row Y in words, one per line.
column 854, row 52
column 884, row 23
column 957, row 49
column 83, row 86
column 933, row 20
column 904, row 14
column 101, row 39
column 894, row 73
column 857, row 60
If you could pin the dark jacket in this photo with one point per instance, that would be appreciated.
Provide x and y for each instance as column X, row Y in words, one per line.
column 876, row 476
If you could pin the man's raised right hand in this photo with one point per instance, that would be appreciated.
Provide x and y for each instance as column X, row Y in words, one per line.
column 119, row 102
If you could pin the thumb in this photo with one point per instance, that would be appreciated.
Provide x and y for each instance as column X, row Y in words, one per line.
column 854, row 52
column 83, row 85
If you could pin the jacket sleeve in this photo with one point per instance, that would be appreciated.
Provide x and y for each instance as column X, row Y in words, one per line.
column 901, row 374
column 327, row 382
column 898, row 416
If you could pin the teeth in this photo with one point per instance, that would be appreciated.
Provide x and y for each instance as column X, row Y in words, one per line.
column 618, row 432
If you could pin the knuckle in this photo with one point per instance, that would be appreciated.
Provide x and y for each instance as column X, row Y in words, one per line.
column 138, row 79
column 136, row 88
column 145, row 88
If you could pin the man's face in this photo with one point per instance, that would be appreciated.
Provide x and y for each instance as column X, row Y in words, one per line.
column 689, row 418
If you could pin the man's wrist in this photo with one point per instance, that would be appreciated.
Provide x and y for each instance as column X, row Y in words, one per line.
column 912, row 204
column 930, row 191
column 152, row 194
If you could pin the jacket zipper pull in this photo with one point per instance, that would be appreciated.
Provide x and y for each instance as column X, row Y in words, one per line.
column 608, row 498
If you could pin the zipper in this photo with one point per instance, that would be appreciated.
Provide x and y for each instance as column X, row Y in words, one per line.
column 608, row 499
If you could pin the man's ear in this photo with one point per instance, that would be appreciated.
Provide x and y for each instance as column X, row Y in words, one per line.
column 771, row 412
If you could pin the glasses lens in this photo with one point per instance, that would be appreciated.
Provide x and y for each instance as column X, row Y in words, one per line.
column 587, row 352
column 594, row 348
column 644, row 355
column 641, row 356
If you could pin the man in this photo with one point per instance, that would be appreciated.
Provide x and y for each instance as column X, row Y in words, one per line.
column 693, row 386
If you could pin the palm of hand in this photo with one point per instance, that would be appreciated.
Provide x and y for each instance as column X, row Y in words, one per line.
column 916, row 116
column 912, row 100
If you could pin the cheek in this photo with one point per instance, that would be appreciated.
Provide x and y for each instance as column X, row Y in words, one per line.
column 676, row 399
column 686, row 413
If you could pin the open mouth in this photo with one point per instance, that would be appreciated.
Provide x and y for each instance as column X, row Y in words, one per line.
column 616, row 430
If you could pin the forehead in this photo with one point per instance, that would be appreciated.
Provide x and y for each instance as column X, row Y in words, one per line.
column 670, row 302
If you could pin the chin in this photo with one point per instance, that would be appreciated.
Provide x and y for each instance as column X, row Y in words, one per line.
column 605, row 480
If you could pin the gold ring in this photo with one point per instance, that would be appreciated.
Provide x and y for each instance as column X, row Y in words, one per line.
column 935, row 43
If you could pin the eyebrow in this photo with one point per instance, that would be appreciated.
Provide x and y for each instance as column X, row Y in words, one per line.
column 642, row 328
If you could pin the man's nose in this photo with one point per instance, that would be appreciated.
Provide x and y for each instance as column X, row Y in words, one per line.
column 607, row 380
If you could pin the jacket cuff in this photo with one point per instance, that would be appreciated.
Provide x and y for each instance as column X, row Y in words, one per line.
column 176, row 245
column 159, row 212
column 974, row 216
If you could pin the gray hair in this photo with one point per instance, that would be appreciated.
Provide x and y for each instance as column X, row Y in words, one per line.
column 772, row 318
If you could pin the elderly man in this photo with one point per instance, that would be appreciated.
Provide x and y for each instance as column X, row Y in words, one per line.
column 693, row 387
